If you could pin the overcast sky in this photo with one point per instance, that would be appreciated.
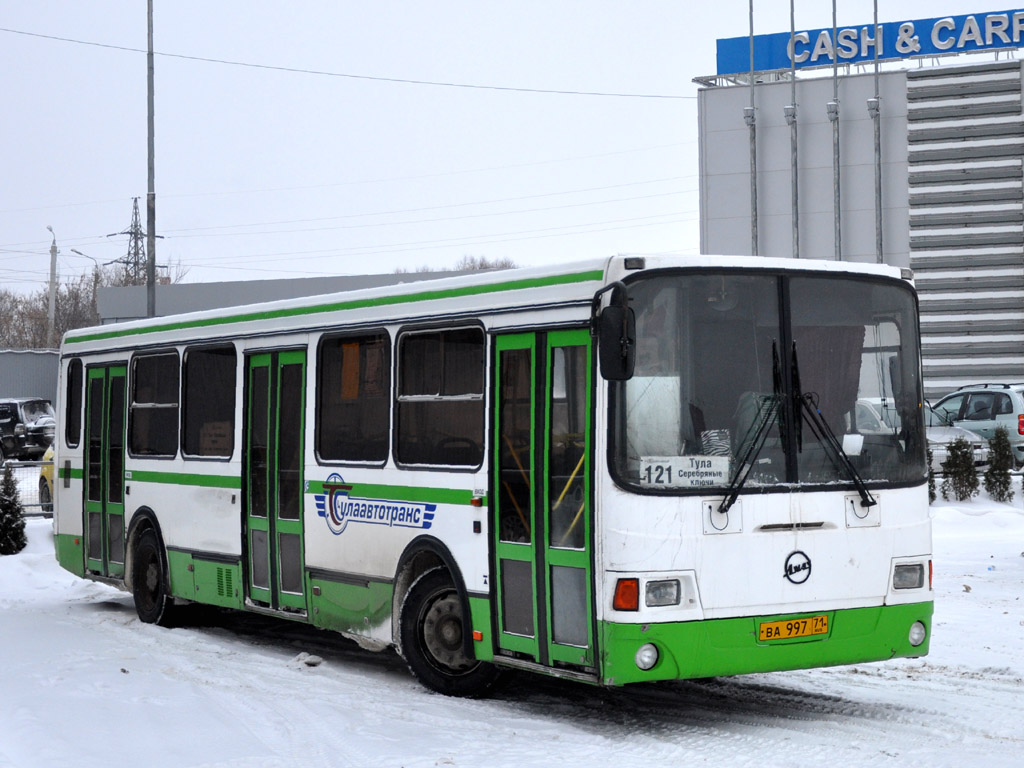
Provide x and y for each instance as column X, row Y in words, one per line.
column 265, row 173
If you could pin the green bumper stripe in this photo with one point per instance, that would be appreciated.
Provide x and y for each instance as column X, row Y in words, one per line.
column 403, row 493
column 381, row 301
column 720, row 647
column 181, row 478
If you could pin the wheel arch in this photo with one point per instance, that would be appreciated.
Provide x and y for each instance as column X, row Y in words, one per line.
column 143, row 519
column 422, row 554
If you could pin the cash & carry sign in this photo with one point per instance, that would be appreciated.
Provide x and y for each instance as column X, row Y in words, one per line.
column 894, row 40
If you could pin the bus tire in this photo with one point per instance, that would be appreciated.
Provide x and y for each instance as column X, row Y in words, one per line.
column 151, row 586
column 431, row 631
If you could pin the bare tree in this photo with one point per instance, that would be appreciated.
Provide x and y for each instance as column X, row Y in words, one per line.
column 467, row 263
column 24, row 320
column 482, row 263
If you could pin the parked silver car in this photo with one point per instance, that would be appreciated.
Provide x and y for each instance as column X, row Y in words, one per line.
column 938, row 431
column 983, row 408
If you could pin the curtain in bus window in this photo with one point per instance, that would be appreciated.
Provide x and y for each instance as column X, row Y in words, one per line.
column 830, row 361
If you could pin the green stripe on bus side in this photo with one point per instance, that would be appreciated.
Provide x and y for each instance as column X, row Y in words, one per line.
column 367, row 490
column 74, row 473
column 404, row 493
column 473, row 290
column 182, row 478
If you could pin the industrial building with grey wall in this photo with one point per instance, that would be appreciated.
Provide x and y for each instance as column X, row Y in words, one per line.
column 952, row 166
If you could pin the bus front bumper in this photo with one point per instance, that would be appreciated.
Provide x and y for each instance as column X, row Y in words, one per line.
column 721, row 647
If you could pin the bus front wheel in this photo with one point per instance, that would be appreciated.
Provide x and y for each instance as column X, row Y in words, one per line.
column 432, row 627
column 150, row 582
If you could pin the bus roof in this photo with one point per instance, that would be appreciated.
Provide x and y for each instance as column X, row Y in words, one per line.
column 571, row 284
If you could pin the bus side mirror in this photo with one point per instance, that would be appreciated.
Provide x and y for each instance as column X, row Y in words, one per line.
column 616, row 342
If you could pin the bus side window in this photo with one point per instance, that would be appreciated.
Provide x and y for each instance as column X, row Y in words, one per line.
column 154, row 407
column 440, row 398
column 73, row 415
column 208, row 401
column 353, row 391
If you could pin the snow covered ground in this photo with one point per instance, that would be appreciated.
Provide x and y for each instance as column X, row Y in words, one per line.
column 84, row 683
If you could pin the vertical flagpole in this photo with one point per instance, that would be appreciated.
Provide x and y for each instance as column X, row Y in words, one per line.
column 790, row 112
column 833, row 116
column 749, row 117
column 874, row 109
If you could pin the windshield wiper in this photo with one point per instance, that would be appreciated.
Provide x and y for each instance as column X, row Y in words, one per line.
column 767, row 415
column 805, row 404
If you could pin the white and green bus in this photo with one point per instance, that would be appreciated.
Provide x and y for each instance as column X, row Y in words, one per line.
column 633, row 469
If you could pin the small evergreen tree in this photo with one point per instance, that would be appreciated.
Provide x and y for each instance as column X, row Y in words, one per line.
column 931, row 478
column 959, row 476
column 12, row 517
column 1000, row 462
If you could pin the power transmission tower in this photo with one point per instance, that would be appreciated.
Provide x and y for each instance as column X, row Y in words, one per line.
column 134, row 262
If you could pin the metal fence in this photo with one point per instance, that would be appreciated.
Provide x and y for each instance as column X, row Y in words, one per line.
column 35, row 494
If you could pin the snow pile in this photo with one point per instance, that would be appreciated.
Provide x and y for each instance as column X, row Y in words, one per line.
column 84, row 683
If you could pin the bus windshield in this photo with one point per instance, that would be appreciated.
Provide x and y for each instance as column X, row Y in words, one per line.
column 773, row 379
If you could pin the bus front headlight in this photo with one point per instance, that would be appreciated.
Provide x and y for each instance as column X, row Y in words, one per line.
column 908, row 576
column 662, row 592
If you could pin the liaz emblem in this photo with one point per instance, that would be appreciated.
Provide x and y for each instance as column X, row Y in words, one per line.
column 339, row 508
column 798, row 567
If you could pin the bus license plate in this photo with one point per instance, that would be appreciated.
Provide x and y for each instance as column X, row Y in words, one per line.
column 791, row 628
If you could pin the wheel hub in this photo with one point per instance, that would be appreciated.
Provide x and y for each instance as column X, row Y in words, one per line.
column 442, row 633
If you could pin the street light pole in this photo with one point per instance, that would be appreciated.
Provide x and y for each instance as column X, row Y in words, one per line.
column 51, row 311
column 95, row 281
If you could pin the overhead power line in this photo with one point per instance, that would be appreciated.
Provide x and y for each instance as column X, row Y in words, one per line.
column 467, row 240
column 447, row 206
column 350, row 76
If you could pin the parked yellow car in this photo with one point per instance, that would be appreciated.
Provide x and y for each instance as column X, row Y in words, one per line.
column 46, row 481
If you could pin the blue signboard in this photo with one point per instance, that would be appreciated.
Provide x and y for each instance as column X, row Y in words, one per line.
column 895, row 40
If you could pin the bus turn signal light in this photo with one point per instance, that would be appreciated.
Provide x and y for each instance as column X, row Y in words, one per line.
column 627, row 595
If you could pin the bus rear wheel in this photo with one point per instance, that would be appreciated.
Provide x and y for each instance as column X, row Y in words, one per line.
column 150, row 582
column 431, row 629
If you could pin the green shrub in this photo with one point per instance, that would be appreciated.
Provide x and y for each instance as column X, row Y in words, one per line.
column 959, row 477
column 1000, row 462
column 931, row 478
column 12, row 515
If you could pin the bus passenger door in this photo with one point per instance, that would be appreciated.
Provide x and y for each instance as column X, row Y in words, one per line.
column 104, row 471
column 275, row 415
column 542, row 479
